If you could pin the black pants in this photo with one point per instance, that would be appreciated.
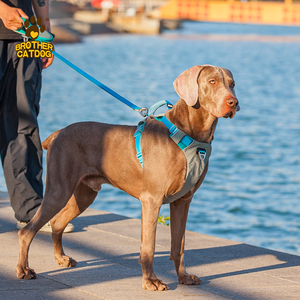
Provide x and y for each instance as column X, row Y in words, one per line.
column 20, row 145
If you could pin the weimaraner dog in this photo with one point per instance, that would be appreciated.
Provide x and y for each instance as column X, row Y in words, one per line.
column 83, row 156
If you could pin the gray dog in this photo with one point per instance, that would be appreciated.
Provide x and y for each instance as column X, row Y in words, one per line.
column 83, row 156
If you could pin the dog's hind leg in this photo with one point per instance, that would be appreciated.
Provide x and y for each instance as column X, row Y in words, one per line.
column 82, row 198
column 43, row 215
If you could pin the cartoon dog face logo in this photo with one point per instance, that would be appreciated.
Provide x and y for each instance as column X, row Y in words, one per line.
column 33, row 28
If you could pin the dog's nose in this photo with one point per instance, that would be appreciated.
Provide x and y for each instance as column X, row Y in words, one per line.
column 233, row 102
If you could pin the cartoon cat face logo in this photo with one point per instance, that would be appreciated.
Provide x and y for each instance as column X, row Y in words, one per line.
column 33, row 28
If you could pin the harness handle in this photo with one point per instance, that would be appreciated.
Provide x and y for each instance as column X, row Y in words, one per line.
column 159, row 104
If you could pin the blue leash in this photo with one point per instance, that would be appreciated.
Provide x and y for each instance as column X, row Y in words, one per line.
column 142, row 110
column 48, row 37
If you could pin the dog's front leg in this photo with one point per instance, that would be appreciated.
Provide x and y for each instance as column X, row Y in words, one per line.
column 149, row 216
column 179, row 212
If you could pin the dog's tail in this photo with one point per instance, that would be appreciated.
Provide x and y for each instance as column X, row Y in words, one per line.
column 48, row 141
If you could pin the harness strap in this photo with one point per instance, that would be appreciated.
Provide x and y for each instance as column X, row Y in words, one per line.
column 178, row 136
column 141, row 125
column 138, row 135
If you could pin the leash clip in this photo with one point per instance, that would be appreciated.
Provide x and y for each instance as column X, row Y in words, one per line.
column 143, row 111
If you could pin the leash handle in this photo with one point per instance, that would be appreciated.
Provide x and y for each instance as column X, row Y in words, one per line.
column 142, row 110
column 44, row 36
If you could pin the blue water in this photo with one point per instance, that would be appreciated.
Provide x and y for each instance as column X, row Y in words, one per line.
column 252, row 190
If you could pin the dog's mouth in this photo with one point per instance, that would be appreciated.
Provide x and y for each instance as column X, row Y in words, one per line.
column 230, row 114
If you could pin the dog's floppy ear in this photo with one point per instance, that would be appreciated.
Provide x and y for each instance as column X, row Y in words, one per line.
column 186, row 85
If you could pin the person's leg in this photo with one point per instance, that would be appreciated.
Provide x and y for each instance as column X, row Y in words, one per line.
column 21, row 153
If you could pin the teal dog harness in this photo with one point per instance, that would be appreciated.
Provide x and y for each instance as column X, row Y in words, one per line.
column 196, row 153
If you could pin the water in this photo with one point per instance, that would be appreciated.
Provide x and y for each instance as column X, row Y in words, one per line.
column 251, row 192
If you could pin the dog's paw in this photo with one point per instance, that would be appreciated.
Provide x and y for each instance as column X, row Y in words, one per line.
column 154, row 284
column 66, row 261
column 25, row 273
column 189, row 280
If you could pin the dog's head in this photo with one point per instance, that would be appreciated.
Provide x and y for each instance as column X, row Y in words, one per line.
column 212, row 86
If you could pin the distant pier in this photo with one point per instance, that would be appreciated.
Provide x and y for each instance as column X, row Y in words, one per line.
column 71, row 20
column 284, row 12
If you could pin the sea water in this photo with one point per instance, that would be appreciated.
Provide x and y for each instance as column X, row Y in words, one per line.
column 252, row 190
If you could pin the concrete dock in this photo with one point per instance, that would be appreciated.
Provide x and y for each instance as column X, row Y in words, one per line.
column 106, row 247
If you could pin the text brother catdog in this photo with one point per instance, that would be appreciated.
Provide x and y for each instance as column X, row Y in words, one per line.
column 34, row 49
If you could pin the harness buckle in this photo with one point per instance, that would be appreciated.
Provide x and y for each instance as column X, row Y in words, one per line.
column 139, row 129
column 202, row 153
column 139, row 156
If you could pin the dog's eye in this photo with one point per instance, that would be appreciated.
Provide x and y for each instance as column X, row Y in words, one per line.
column 212, row 81
column 232, row 85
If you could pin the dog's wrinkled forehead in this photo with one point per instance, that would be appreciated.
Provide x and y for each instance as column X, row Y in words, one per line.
column 213, row 71
column 227, row 73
